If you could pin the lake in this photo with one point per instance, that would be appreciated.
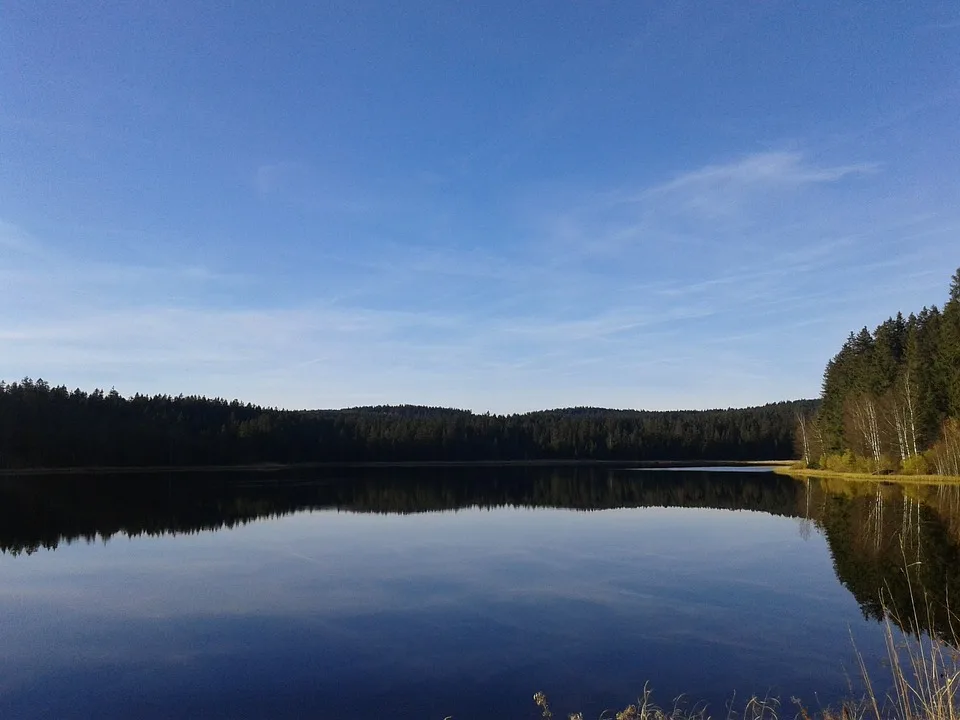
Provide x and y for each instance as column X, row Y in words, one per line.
column 423, row 593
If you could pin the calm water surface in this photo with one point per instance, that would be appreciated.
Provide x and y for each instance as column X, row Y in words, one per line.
column 427, row 593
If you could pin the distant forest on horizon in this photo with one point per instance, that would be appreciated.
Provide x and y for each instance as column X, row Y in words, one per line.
column 46, row 426
column 890, row 403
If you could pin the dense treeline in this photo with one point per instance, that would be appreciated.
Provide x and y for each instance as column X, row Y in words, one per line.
column 891, row 397
column 45, row 426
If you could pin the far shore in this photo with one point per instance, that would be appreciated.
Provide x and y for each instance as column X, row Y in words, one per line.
column 279, row 467
column 798, row 472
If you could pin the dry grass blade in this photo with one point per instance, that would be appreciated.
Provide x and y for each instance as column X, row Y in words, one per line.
column 924, row 679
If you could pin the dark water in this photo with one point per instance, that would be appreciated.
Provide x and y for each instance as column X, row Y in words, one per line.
column 427, row 593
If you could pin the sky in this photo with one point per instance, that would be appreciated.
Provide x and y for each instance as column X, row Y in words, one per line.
column 498, row 206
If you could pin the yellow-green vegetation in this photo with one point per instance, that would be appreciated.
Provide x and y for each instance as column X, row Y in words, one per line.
column 941, row 460
column 801, row 470
column 890, row 401
column 936, row 461
column 646, row 709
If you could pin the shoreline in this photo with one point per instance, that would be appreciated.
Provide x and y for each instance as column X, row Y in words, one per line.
column 795, row 472
column 775, row 465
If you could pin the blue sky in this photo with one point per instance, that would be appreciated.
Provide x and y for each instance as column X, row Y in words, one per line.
column 500, row 206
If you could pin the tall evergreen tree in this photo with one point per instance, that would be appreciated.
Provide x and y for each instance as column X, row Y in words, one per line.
column 950, row 348
column 889, row 395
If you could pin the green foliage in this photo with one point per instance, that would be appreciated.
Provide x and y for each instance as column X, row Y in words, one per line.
column 888, row 464
column 915, row 465
column 851, row 462
column 887, row 393
column 844, row 462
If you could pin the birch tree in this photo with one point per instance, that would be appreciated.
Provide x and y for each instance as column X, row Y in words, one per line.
column 865, row 426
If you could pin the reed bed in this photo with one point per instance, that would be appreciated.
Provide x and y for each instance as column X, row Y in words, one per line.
column 922, row 684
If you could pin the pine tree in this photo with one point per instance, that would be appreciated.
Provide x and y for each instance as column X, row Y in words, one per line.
column 950, row 348
column 895, row 392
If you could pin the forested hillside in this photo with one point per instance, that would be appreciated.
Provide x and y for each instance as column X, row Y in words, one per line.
column 44, row 426
column 891, row 397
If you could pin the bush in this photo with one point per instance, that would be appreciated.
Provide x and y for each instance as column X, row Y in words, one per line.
column 888, row 465
column 850, row 462
column 839, row 463
column 836, row 463
column 915, row 465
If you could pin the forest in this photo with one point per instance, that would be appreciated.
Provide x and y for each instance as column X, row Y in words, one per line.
column 891, row 398
column 53, row 427
column 890, row 403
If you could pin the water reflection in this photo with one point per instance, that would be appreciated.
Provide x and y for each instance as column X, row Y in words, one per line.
column 895, row 547
column 874, row 530
column 364, row 602
column 42, row 512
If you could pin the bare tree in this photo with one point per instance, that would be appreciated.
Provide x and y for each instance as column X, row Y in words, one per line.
column 898, row 411
column 805, row 445
column 908, row 392
column 863, row 417
column 946, row 453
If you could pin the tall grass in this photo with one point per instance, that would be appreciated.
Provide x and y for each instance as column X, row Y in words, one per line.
column 924, row 678
column 645, row 709
column 924, row 667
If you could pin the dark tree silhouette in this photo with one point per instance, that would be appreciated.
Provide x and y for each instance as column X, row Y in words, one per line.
column 892, row 396
column 44, row 426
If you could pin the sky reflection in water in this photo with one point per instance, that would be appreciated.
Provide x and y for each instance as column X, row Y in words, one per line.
column 330, row 614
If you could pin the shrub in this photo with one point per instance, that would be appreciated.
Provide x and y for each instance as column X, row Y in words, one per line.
column 864, row 465
column 840, row 463
column 915, row 465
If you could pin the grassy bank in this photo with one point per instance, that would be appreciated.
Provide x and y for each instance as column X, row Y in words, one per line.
column 802, row 472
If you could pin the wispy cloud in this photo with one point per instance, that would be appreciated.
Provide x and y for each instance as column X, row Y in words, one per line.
column 759, row 202
column 777, row 169
column 723, row 191
column 626, row 297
